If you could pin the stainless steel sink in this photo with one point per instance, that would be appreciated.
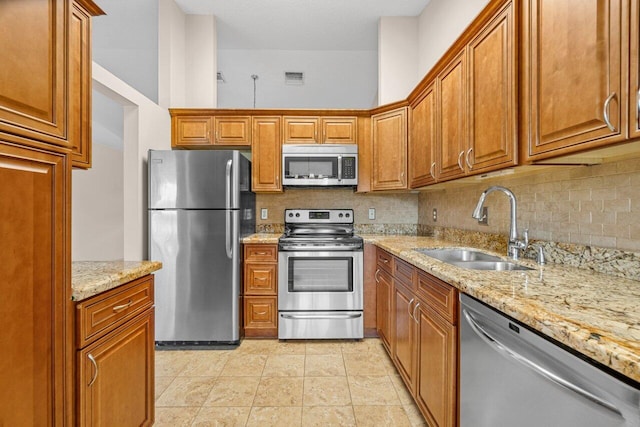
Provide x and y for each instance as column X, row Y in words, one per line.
column 456, row 255
column 490, row 265
column 469, row 258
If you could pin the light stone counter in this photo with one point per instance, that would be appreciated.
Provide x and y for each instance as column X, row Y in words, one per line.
column 89, row 278
column 596, row 314
column 269, row 238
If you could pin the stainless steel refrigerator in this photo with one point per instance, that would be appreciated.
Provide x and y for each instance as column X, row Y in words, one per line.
column 200, row 206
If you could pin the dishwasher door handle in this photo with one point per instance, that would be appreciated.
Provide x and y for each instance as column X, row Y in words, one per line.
column 545, row 373
column 321, row 316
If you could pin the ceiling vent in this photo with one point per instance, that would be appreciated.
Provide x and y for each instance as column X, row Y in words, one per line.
column 220, row 77
column 294, row 77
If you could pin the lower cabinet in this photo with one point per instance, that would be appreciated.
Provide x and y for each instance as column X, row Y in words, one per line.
column 116, row 356
column 260, row 290
column 417, row 323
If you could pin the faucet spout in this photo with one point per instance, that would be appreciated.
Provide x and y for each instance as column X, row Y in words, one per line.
column 515, row 245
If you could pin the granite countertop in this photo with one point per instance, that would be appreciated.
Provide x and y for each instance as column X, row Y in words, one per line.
column 271, row 238
column 596, row 314
column 89, row 278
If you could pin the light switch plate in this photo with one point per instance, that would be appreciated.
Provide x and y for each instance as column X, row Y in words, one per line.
column 372, row 213
column 264, row 213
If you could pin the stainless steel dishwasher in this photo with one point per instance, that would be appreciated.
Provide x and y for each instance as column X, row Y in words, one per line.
column 511, row 376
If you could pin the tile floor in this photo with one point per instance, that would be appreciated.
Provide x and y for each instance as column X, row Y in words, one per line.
column 294, row 383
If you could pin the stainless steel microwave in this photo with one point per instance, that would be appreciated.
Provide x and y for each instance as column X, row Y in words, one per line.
column 319, row 165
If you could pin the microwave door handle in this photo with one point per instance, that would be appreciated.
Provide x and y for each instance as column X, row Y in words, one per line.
column 339, row 167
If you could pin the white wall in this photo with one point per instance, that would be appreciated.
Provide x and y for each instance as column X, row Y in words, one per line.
column 333, row 79
column 439, row 25
column 145, row 126
column 201, row 62
column 171, row 54
column 397, row 58
column 125, row 42
column 98, row 193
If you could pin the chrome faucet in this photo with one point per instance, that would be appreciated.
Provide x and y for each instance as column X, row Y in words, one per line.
column 515, row 245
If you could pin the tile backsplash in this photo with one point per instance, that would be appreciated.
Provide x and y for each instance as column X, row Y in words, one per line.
column 595, row 205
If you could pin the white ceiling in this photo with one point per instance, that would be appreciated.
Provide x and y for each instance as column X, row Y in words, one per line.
column 300, row 24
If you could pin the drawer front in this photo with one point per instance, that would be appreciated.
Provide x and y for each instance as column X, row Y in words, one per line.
column 104, row 312
column 261, row 253
column 440, row 296
column 404, row 273
column 384, row 260
column 260, row 312
column 260, row 279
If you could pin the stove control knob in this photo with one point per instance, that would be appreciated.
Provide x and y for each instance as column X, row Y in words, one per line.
column 290, row 215
column 340, row 215
column 297, row 215
column 348, row 215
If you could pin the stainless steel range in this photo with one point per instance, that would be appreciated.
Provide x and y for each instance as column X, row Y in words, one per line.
column 320, row 282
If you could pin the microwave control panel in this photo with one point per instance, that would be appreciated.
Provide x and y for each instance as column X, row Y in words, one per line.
column 348, row 168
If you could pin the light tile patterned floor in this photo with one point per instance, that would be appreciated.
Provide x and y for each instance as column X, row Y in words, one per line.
column 294, row 383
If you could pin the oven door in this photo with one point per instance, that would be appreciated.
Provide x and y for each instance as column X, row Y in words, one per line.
column 320, row 280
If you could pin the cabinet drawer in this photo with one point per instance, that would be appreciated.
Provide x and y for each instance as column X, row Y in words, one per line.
column 260, row 279
column 404, row 273
column 261, row 253
column 105, row 312
column 384, row 260
column 260, row 316
column 441, row 296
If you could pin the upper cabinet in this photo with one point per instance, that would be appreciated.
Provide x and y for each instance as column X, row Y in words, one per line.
column 389, row 154
column 634, row 104
column 320, row 130
column 206, row 131
column 266, row 151
column 423, row 139
column 575, row 76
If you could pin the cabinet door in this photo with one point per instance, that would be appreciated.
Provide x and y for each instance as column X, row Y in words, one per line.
column 33, row 85
column 301, row 130
column 339, row 130
column 422, row 140
column 451, row 107
column 383, row 307
column 404, row 333
column 266, row 152
column 575, row 76
column 80, row 87
column 389, row 150
column 35, row 288
column 191, row 130
column 634, row 101
column 436, row 389
column 232, row 131
column 492, row 96
column 116, row 376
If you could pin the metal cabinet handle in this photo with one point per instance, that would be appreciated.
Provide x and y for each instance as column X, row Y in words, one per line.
column 385, row 260
column 261, row 253
column 466, row 159
column 414, row 311
column 217, row 136
column 433, row 166
column 375, row 276
column 605, row 111
column 460, row 165
column 261, row 313
column 95, row 367
column 119, row 308
column 409, row 308
column 545, row 373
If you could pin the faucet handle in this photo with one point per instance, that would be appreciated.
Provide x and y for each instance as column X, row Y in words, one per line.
column 525, row 234
column 540, row 258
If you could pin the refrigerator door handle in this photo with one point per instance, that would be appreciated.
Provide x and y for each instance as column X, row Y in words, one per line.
column 228, row 211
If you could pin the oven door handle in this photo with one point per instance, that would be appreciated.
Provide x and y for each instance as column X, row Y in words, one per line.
column 321, row 316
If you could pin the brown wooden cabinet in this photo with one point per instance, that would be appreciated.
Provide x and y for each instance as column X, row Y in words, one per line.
column 203, row 131
column 232, row 131
column 404, row 303
column 36, row 309
column 384, row 294
column 320, row 130
column 634, row 62
column 575, row 76
column 266, row 151
column 190, row 131
column 423, row 139
column 492, row 101
column 116, row 356
column 260, row 293
column 389, row 135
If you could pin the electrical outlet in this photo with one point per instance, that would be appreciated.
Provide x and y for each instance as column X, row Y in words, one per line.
column 485, row 216
column 372, row 213
column 435, row 214
column 264, row 213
